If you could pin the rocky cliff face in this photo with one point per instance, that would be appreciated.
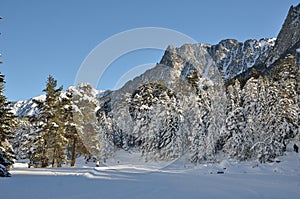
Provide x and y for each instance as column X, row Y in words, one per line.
column 232, row 58
column 27, row 108
column 288, row 37
column 229, row 57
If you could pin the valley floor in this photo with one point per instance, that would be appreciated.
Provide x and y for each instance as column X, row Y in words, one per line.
column 239, row 180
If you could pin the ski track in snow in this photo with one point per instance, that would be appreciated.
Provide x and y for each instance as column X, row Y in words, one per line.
column 240, row 180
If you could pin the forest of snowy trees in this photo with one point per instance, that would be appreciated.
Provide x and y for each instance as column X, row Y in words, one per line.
column 250, row 119
column 253, row 120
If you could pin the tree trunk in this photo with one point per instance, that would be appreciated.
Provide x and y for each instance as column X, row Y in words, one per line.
column 73, row 152
column 44, row 161
column 54, row 158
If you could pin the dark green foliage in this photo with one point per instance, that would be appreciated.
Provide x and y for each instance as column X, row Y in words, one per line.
column 193, row 79
column 50, row 144
column 6, row 124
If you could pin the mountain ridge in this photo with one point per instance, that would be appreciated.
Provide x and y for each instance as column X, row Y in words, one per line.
column 185, row 102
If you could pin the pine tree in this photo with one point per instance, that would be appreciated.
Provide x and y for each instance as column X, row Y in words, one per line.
column 288, row 103
column 193, row 80
column 158, row 122
column 193, row 121
column 277, row 109
column 37, row 151
column 50, row 143
column 234, row 134
column 216, row 115
column 6, row 124
column 75, row 144
column 235, row 146
column 298, row 99
column 250, row 97
column 199, row 150
column 170, row 138
column 24, row 138
column 105, row 134
column 70, row 127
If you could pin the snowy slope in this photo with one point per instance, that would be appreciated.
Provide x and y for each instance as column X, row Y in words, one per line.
column 27, row 108
column 240, row 180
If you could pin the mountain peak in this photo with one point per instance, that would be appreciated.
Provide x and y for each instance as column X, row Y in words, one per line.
column 230, row 56
column 288, row 37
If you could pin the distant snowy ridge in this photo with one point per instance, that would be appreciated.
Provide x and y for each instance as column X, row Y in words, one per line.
column 28, row 108
column 230, row 57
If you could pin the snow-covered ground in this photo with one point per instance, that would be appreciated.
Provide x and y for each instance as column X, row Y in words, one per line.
column 122, row 179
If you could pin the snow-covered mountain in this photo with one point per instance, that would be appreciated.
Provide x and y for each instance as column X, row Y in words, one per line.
column 237, row 98
column 288, row 39
column 26, row 108
column 230, row 57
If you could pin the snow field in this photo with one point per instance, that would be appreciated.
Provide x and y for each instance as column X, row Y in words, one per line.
column 176, row 180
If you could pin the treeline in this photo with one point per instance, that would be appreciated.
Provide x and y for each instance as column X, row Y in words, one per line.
column 203, row 118
column 59, row 130
column 198, row 117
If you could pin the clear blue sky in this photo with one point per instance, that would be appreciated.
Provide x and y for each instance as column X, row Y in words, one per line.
column 39, row 38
